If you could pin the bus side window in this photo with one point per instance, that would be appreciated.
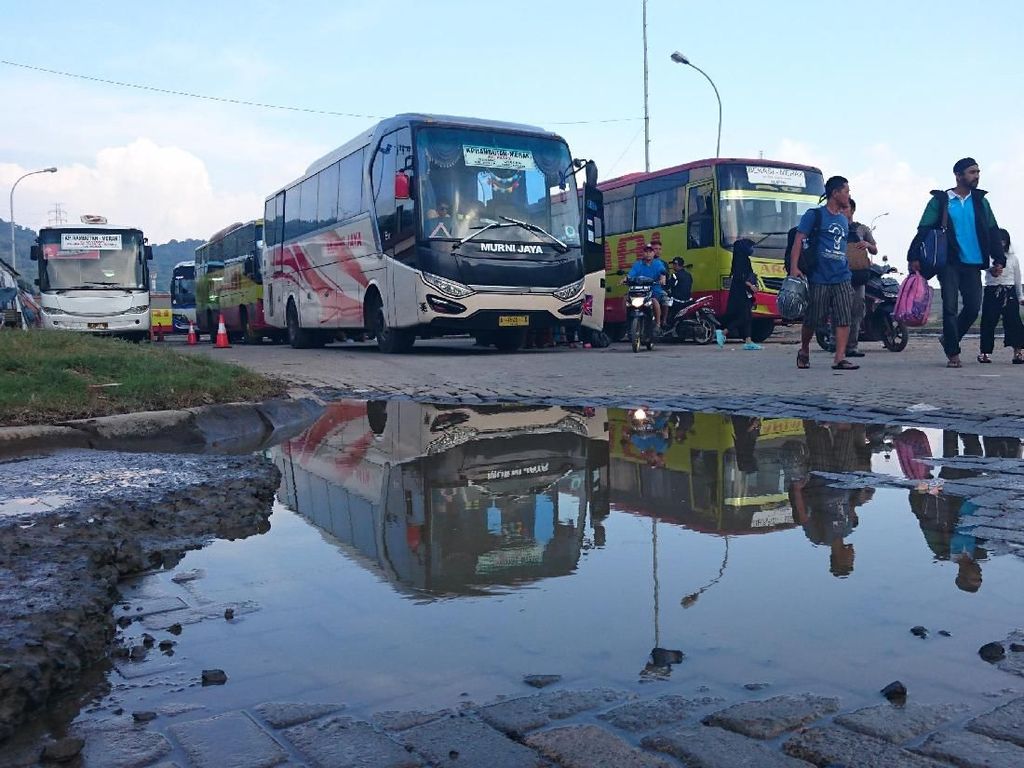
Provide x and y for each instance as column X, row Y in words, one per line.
column 700, row 223
column 383, row 186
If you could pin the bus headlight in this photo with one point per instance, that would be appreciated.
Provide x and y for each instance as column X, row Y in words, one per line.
column 139, row 309
column 568, row 291
column 446, row 286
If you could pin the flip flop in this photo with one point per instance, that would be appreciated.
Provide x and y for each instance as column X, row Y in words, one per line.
column 803, row 360
column 845, row 365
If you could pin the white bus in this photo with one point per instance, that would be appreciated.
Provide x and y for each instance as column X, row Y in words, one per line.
column 426, row 226
column 94, row 277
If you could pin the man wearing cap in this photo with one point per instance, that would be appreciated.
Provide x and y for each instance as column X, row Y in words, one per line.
column 973, row 245
column 647, row 266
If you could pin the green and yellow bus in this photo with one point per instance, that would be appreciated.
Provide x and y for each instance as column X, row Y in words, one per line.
column 229, row 281
column 697, row 211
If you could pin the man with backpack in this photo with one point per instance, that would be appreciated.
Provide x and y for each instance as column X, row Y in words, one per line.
column 860, row 238
column 972, row 245
column 819, row 253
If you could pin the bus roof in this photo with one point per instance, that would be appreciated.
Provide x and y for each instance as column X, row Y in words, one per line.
column 183, row 264
column 220, row 234
column 387, row 125
column 633, row 178
column 81, row 227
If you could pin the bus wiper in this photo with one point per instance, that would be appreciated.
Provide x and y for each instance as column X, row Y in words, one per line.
column 480, row 231
column 559, row 245
column 99, row 282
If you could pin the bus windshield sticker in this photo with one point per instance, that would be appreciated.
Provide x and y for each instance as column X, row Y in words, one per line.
column 89, row 241
column 440, row 231
column 53, row 251
column 779, row 177
column 496, row 157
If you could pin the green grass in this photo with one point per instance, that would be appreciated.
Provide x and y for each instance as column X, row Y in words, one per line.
column 52, row 376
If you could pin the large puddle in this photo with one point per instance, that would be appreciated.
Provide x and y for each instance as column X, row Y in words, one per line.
column 424, row 555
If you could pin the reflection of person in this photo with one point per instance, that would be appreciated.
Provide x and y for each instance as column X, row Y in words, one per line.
column 742, row 287
column 439, row 221
column 746, row 430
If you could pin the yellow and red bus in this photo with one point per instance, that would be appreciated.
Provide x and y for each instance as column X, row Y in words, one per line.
column 229, row 281
column 697, row 211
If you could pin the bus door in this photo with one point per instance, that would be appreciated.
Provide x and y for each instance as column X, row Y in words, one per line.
column 593, row 257
column 701, row 251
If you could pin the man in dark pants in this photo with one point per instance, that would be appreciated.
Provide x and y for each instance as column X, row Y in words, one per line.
column 973, row 246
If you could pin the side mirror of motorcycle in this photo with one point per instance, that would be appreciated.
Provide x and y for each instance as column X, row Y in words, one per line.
column 885, row 259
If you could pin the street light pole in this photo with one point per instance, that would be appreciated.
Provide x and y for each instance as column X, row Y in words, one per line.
column 14, row 255
column 679, row 58
column 871, row 226
column 647, row 115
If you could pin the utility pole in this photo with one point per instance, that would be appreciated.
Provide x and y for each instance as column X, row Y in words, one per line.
column 647, row 114
column 57, row 216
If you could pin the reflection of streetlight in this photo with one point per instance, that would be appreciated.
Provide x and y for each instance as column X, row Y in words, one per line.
column 14, row 256
column 659, row 664
column 871, row 226
column 691, row 598
column 679, row 58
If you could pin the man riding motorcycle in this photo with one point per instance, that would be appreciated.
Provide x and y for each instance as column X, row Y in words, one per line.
column 648, row 267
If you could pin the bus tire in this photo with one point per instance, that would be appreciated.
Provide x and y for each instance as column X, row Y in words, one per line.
column 510, row 340
column 298, row 337
column 616, row 331
column 249, row 334
column 390, row 341
column 761, row 328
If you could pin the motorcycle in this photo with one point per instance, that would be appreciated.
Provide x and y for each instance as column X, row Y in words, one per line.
column 693, row 319
column 640, row 302
column 880, row 294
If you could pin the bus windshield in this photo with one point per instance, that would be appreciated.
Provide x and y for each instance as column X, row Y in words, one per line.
column 763, row 203
column 471, row 178
column 92, row 260
column 183, row 285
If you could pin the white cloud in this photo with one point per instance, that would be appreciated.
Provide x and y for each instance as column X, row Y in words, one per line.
column 164, row 190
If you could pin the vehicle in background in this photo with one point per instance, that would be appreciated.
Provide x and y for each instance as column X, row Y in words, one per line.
column 428, row 226
column 183, row 296
column 697, row 211
column 229, row 282
column 94, row 277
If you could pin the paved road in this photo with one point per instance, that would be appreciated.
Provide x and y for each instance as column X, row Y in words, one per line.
column 683, row 375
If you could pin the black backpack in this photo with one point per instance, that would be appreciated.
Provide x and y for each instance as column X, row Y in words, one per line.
column 808, row 259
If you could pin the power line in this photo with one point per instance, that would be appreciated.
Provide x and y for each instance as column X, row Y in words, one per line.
column 243, row 102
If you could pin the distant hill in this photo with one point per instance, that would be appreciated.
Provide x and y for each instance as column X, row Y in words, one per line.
column 165, row 255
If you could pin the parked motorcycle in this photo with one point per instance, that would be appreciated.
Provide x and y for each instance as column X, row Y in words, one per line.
column 693, row 319
column 640, row 303
column 880, row 294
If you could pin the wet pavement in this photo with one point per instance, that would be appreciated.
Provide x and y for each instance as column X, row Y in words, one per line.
column 760, row 575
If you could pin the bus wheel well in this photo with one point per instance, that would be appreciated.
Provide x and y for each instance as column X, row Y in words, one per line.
column 371, row 304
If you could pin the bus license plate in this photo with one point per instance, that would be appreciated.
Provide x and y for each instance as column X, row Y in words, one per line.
column 96, row 325
column 513, row 321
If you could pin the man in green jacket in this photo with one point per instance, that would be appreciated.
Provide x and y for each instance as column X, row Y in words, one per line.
column 973, row 246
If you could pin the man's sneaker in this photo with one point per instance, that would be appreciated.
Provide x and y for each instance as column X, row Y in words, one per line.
column 752, row 345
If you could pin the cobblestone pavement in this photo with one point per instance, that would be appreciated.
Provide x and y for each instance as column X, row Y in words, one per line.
column 568, row 728
column 912, row 387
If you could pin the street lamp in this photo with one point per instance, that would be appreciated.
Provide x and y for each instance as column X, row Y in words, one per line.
column 678, row 58
column 872, row 225
column 14, row 256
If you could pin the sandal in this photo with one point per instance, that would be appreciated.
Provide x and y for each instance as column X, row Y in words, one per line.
column 954, row 362
column 845, row 365
column 1018, row 358
column 983, row 358
column 803, row 360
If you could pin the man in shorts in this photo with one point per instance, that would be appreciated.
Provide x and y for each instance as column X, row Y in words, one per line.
column 830, row 290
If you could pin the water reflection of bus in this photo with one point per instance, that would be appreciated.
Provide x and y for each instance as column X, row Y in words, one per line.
column 449, row 500
column 708, row 471
column 697, row 211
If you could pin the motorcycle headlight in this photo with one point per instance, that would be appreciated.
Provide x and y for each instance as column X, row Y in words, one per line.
column 566, row 292
column 446, row 286
column 637, row 301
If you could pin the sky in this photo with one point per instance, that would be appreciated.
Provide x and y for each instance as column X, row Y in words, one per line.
column 886, row 95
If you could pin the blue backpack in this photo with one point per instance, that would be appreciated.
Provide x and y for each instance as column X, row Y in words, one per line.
column 933, row 247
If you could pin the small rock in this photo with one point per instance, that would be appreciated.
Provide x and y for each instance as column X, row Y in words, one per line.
column 756, row 686
column 453, row 755
column 214, row 677
column 229, row 613
column 541, row 681
column 945, row 633
column 119, row 652
column 148, row 640
column 174, row 629
column 143, row 717
column 117, row 711
column 166, row 645
column 895, row 692
column 137, row 653
column 62, row 751
column 919, row 631
column 124, row 621
column 1016, row 647
column 992, row 652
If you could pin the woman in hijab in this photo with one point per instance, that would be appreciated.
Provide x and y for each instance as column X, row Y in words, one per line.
column 740, row 308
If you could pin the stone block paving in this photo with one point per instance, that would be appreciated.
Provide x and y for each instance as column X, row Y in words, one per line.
column 599, row 728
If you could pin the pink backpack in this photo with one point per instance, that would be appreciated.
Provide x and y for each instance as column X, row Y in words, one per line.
column 914, row 302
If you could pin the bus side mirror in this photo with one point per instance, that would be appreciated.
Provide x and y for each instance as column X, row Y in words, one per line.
column 148, row 250
column 591, row 173
column 401, row 186
column 33, row 253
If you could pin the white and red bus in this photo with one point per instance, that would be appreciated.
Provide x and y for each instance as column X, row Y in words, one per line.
column 427, row 226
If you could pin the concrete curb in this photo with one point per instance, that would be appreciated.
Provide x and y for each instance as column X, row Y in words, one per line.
column 222, row 428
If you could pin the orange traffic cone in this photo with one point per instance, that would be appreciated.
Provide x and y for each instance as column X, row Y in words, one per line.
column 191, row 339
column 222, row 335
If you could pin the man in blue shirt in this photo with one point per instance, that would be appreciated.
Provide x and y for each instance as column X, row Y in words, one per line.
column 973, row 246
column 830, row 291
column 648, row 266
